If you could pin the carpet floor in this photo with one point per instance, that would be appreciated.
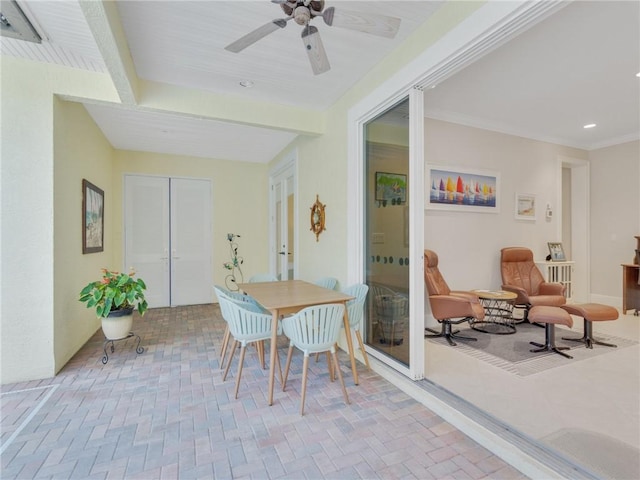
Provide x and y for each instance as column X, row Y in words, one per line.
column 513, row 352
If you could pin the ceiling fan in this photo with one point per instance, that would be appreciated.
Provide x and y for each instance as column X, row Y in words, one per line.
column 303, row 12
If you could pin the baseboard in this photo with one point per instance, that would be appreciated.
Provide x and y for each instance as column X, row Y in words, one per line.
column 606, row 300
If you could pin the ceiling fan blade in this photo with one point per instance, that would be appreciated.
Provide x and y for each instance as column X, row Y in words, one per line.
column 315, row 50
column 259, row 33
column 380, row 25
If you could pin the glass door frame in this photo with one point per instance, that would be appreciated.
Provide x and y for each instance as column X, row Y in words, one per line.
column 359, row 116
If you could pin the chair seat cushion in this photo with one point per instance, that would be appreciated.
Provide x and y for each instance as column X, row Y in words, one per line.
column 594, row 312
column 545, row 314
column 547, row 300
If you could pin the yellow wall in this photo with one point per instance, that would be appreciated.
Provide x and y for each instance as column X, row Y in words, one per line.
column 27, row 315
column 80, row 152
column 238, row 205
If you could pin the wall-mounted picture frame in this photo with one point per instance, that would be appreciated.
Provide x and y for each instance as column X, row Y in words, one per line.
column 525, row 206
column 463, row 189
column 556, row 252
column 92, row 218
column 391, row 187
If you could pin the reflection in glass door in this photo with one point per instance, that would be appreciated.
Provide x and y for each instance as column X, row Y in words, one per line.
column 387, row 237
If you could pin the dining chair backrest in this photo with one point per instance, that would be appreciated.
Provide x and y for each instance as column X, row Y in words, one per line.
column 246, row 322
column 327, row 282
column 355, row 307
column 247, row 301
column 315, row 329
column 263, row 277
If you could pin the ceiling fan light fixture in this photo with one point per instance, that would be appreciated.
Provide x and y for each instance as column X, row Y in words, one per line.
column 301, row 15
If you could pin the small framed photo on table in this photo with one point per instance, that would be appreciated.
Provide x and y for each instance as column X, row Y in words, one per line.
column 556, row 252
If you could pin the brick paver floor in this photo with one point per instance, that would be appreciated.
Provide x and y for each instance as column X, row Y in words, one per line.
column 166, row 413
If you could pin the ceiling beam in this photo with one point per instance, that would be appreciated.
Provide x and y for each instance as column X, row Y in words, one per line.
column 230, row 108
column 104, row 22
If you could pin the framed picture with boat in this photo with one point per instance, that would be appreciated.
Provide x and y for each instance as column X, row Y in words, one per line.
column 463, row 189
column 525, row 206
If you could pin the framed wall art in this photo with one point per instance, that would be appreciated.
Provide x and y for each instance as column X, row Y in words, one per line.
column 525, row 206
column 92, row 218
column 462, row 189
column 391, row 187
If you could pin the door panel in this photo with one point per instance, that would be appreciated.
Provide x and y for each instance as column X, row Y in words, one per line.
column 146, row 235
column 190, row 242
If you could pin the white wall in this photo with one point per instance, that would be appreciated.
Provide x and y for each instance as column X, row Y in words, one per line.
column 615, row 207
column 468, row 243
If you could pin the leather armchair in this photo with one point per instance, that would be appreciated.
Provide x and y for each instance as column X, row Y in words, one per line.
column 521, row 276
column 447, row 306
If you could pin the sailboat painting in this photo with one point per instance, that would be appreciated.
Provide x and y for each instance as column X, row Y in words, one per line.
column 462, row 189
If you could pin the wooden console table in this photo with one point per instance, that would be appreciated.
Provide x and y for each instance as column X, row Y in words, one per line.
column 630, row 288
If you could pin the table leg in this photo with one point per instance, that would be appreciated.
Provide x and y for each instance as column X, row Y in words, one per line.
column 347, row 334
column 273, row 352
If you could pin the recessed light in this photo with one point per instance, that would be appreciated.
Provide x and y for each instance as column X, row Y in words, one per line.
column 246, row 83
column 589, row 125
column 638, row 74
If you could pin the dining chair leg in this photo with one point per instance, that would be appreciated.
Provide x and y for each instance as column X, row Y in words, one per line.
column 330, row 366
column 344, row 389
column 305, row 364
column 243, row 350
column 233, row 351
column 225, row 344
column 260, row 349
column 286, row 368
column 364, row 353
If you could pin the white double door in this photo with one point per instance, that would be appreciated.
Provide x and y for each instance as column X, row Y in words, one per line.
column 167, row 232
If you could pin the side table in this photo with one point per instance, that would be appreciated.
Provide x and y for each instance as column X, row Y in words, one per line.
column 498, row 310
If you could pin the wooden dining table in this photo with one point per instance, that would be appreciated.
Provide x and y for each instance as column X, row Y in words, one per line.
column 291, row 296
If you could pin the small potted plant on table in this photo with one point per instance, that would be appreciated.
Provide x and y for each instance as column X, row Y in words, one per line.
column 114, row 297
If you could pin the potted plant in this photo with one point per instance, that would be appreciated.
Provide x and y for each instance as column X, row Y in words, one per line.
column 114, row 297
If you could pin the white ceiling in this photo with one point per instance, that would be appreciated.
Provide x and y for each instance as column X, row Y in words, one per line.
column 576, row 67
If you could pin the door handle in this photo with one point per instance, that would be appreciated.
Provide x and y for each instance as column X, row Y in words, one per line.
column 282, row 253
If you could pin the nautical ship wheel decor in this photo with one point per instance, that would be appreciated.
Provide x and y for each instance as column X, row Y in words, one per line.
column 317, row 218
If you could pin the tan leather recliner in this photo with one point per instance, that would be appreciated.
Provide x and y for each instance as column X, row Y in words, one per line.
column 447, row 306
column 521, row 276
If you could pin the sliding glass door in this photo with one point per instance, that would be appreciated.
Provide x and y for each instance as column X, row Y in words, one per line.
column 386, row 238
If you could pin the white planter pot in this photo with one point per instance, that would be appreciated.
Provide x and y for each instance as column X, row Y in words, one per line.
column 118, row 324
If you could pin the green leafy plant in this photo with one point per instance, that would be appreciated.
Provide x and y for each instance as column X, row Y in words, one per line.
column 115, row 291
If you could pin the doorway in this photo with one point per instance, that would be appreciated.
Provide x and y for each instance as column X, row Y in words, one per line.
column 283, row 213
column 167, row 235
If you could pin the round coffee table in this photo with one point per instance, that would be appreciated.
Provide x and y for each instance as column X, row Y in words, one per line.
column 498, row 312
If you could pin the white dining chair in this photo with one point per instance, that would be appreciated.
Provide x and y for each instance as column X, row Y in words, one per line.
column 355, row 313
column 314, row 330
column 263, row 277
column 246, row 326
column 326, row 282
column 239, row 297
